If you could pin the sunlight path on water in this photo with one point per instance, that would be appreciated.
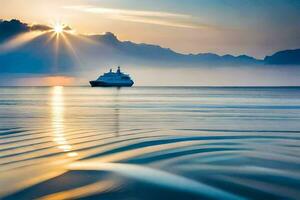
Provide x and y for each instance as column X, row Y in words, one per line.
column 58, row 124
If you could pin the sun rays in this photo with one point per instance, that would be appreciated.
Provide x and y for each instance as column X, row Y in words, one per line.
column 57, row 44
column 19, row 40
column 62, row 39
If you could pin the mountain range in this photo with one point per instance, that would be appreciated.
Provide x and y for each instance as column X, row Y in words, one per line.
column 287, row 57
column 50, row 53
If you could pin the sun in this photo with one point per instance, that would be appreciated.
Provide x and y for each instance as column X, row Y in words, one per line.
column 58, row 28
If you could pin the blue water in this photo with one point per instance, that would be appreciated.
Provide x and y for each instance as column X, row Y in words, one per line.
column 149, row 143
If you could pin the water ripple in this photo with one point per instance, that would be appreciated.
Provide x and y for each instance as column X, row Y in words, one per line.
column 149, row 143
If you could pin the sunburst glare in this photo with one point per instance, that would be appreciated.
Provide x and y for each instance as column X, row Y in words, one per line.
column 63, row 40
column 58, row 28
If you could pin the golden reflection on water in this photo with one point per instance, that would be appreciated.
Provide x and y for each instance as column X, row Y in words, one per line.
column 58, row 121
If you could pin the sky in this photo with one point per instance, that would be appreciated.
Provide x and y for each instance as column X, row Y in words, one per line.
column 253, row 27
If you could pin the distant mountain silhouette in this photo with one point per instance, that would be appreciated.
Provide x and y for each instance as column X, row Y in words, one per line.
column 53, row 54
column 287, row 57
column 157, row 53
column 39, row 56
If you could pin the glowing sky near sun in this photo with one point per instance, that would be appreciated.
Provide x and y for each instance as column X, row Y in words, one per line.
column 256, row 28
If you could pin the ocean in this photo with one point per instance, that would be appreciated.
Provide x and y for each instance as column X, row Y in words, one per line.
column 149, row 143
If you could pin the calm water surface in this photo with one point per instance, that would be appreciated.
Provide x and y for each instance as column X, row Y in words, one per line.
column 149, row 143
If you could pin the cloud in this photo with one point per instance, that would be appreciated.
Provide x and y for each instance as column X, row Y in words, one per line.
column 14, row 27
column 39, row 27
column 67, row 28
column 11, row 28
column 142, row 16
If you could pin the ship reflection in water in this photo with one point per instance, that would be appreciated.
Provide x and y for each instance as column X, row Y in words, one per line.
column 149, row 143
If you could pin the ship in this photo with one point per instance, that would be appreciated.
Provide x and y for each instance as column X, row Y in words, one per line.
column 113, row 79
